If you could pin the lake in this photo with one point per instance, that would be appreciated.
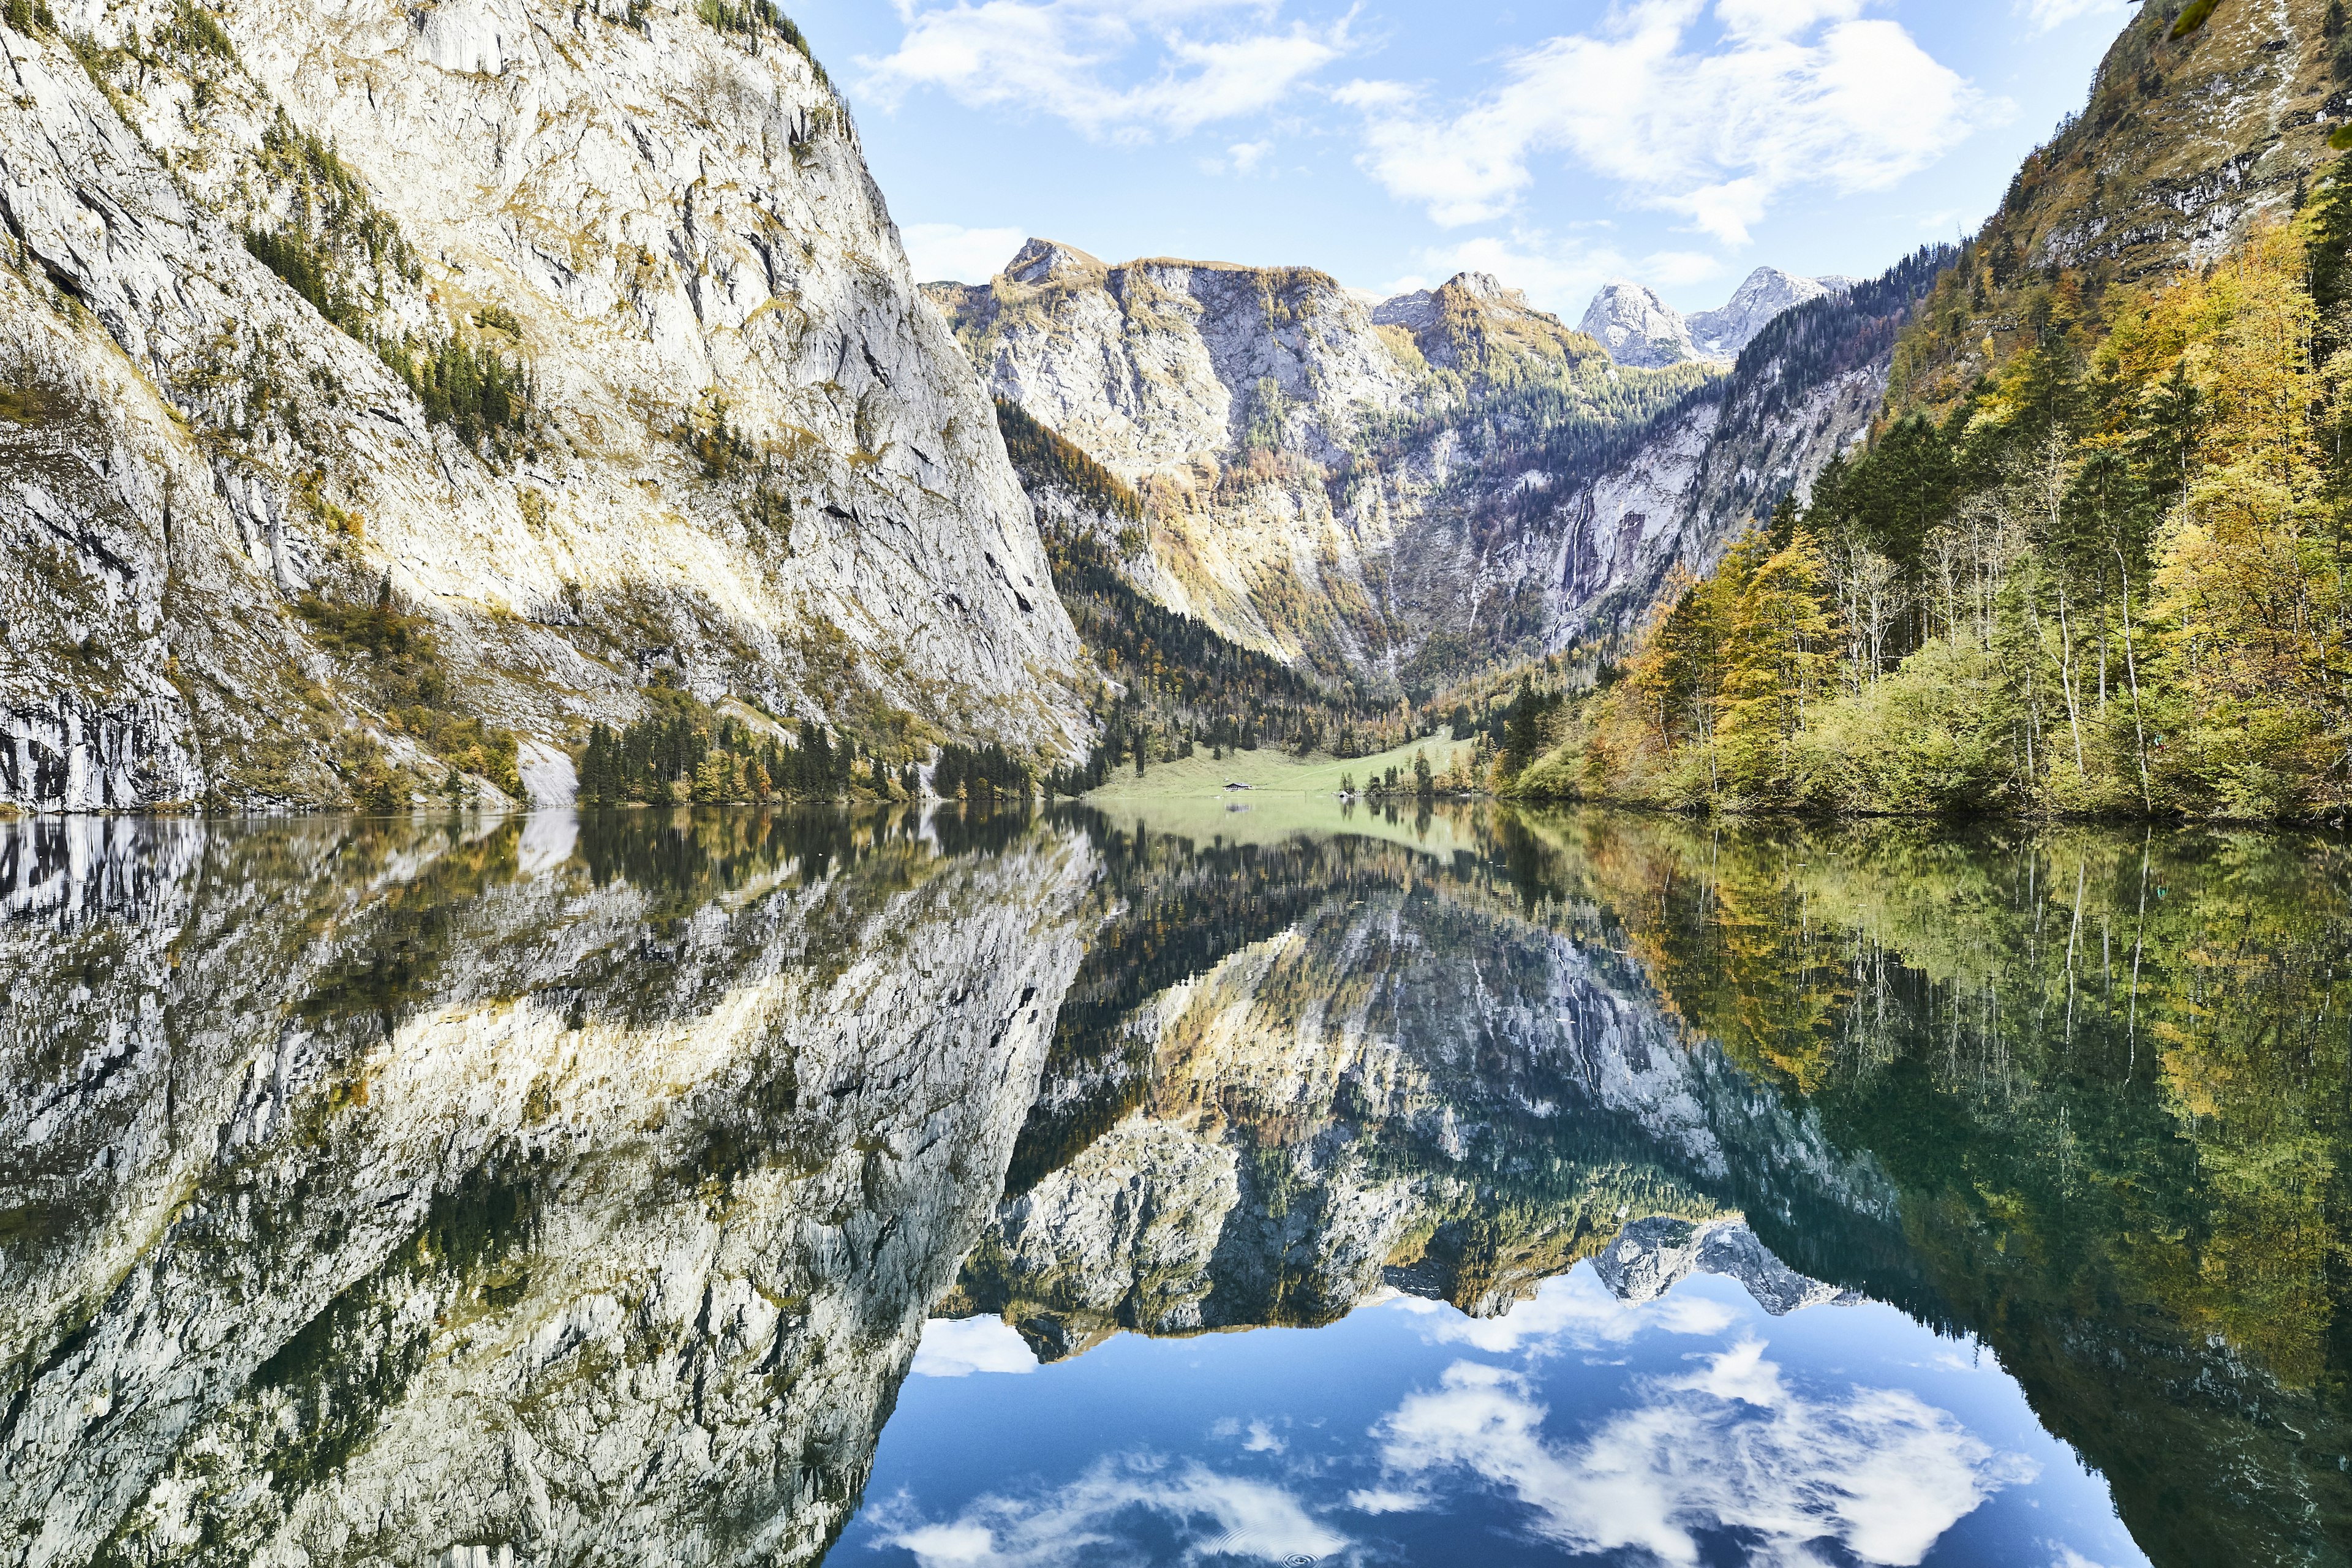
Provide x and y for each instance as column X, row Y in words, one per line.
column 1300, row 1184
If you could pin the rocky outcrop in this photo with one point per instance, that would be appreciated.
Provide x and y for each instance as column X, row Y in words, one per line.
column 753, row 457
column 377, row 1195
column 1638, row 328
column 1653, row 1255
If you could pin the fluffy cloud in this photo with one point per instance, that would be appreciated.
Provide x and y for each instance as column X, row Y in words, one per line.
column 1788, row 92
column 1576, row 1309
column 1110, row 69
column 957, row 1347
column 1730, row 1448
column 1091, row 1519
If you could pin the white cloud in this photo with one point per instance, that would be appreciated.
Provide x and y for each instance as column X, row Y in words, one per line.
column 2048, row 15
column 1093, row 1518
column 941, row 252
column 2069, row 1558
column 1110, row 69
column 1730, row 1448
column 1248, row 155
column 957, row 1347
column 1794, row 93
column 1262, row 1440
column 1577, row 1310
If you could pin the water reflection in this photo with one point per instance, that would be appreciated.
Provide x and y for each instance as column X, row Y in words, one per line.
column 578, row 1192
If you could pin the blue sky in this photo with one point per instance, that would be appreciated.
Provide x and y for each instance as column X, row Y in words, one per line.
column 1392, row 143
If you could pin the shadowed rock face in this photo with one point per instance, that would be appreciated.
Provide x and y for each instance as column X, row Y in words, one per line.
column 376, row 1194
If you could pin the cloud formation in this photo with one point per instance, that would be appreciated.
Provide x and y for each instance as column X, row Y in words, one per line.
column 1730, row 1448
column 1115, row 69
column 957, row 1347
column 1219, row 1514
column 1577, row 1310
column 1783, row 93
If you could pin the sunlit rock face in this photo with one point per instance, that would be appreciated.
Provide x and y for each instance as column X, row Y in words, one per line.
column 1412, row 488
column 380, row 1194
column 1418, row 1090
column 758, row 460
column 1642, row 330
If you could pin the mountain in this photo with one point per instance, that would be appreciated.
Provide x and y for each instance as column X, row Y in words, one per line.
column 404, row 390
column 1318, row 481
column 2187, row 144
column 1396, row 494
column 1640, row 329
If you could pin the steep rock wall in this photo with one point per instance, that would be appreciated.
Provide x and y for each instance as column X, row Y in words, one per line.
column 757, row 461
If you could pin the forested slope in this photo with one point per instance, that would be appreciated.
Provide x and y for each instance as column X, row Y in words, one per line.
column 2093, row 558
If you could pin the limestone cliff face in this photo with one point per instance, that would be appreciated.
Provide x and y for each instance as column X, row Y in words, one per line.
column 1410, row 491
column 754, row 457
column 1225, row 394
column 1411, row 1091
column 1321, row 478
column 379, row 1195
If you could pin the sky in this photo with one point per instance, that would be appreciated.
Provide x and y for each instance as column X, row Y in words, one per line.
column 1392, row 143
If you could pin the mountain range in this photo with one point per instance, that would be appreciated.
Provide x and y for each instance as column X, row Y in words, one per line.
column 1638, row 329
column 387, row 401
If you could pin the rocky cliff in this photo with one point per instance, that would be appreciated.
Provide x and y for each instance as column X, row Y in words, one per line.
column 2202, row 122
column 381, row 1196
column 377, row 380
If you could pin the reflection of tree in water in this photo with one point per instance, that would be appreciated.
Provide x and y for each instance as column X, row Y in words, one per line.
column 2108, row 1072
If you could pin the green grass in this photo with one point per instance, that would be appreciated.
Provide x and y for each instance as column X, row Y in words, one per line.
column 1287, row 795
column 1268, row 772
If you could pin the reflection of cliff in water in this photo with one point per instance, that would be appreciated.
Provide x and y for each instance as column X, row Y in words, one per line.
column 1291, row 1077
column 2082, row 1095
column 372, row 1189
column 368, row 1189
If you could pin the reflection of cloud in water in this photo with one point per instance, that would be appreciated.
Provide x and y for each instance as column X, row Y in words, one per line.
column 1577, row 1310
column 957, row 1347
column 1730, row 1448
column 1216, row 1513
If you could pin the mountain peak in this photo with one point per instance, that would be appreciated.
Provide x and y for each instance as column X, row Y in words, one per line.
column 1640, row 329
column 1046, row 261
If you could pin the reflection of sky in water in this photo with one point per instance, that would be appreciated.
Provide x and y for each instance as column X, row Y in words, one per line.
column 1694, row 1429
